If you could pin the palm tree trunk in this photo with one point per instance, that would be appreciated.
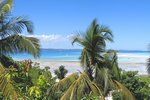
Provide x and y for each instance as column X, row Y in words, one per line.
column 90, row 73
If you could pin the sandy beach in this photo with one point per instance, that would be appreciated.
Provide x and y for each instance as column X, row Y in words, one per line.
column 74, row 66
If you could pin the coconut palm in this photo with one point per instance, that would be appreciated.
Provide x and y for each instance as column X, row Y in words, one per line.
column 93, row 42
column 61, row 72
column 6, row 86
column 80, row 88
column 11, row 41
column 5, row 6
column 100, row 65
column 148, row 66
column 75, row 87
column 10, row 29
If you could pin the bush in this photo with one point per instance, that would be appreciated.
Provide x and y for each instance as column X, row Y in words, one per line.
column 138, row 87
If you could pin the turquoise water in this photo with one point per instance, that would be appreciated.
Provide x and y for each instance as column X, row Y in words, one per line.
column 128, row 60
column 73, row 55
column 50, row 54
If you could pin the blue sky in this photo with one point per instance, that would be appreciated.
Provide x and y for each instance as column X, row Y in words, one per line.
column 56, row 20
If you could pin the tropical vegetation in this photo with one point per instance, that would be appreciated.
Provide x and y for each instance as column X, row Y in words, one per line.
column 137, row 84
column 61, row 72
column 101, row 75
column 11, row 28
column 11, row 41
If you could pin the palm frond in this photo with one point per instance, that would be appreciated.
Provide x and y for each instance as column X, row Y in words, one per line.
column 127, row 95
column 14, row 25
column 6, row 86
column 94, row 43
column 102, row 79
column 77, row 38
column 81, row 87
column 111, row 62
column 18, row 43
column 61, row 72
column 107, row 33
column 64, row 84
column 5, row 6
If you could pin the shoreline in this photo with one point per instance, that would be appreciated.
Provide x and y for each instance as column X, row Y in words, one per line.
column 75, row 66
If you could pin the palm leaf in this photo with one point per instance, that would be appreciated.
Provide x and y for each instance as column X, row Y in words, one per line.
column 65, row 83
column 6, row 86
column 93, row 41
column 127, row 95
column 80, row 88
column 5, row 6
column 17, row 43
column 15, row 25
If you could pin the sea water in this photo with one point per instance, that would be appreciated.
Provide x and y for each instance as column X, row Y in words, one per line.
column 73, row 55
column 128, row 60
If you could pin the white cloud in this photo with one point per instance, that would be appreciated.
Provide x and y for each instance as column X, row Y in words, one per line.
column 70, row 36
column 43, row 37
column 52, row 37
column 54, row 40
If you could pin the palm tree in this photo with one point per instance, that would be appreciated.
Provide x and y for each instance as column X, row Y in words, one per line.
column 5, row 6
column 93, row 42
column 61, row 72
column 80, row 88
column 10, row 29
column 100, row 65
column 75, row 87
column 148, row 66
column 11, row 41
column 78, row 85
column 6, row 86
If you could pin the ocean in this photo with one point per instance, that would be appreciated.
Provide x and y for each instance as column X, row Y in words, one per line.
column 128, row 60
column 73, row 55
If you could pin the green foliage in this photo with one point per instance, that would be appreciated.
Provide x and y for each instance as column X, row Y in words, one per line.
column 11, row 27
column 137, row 86
column 31, row 82
column 100, row 65
column 145, row 78
column 35, row 91
column 5, row 6
column 59, row 88
column 91, row 97
column 61, row 72
column 93, row 41
column 7, row 61
column 80, row 88
column 17, row 43
column 117, row 95
column 42, row 80
column 6, row 84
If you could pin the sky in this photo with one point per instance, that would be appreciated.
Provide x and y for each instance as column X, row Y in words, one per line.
column 55, row 21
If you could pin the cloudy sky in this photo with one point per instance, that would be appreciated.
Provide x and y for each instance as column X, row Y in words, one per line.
column 56, row 20
column 56, row 41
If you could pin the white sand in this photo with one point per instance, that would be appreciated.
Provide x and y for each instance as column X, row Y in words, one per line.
column 74, row 66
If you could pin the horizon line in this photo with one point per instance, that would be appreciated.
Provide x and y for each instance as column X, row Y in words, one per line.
column 81, row 49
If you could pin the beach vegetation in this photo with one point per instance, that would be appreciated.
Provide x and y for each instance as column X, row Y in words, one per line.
column 61, row 72
column 101, row 75
column 136, row 84
column 11, row 41
column 93, row 41
column 98, row 63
